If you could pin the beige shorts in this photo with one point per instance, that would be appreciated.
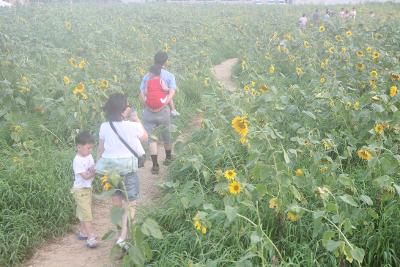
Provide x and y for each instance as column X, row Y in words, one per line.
column 83, row 199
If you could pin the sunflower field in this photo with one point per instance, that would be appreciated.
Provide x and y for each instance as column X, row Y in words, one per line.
column 299, row 166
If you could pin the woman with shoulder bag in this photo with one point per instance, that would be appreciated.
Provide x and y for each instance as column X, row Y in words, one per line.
column 118, row 151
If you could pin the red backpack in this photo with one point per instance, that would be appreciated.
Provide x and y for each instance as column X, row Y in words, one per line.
column 156, row 97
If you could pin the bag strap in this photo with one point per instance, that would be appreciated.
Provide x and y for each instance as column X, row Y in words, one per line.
column 123, row 141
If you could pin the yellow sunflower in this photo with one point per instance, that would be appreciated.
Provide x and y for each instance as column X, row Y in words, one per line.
column 338, row 38
column 369, row 49
column 374, row 73
column 321, row 28
column 375, row 55
column 393, row 91
column 82, row 64
column 197, row 225
column 103, row 84
column 306, row 44
column 79, row 89
column 67, row 80
column 349, row 33
column 360, row 66
column 240, row 125
column 322, row 79
column 273, row 203
column 230, row 174
column 299, row 172
column 271, row 69
column 292, row 217
column 343, row 49
column 299, row 71
column 364, row 154
column 234, row 188
column 379, row 128
column 360, row 53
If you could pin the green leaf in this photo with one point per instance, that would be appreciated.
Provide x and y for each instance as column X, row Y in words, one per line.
column 231, row 213
column 349, row 200
column 136, row 255
column 260, row 191
column 366, row 199
column 185, row 202
column 296, row 193
column 371, row 212
column 109, row 235
column 327, row 236
column 151, row 228
column 318, row 214
column 333, row 245
column 116, row 215
column 397, row 188
column 255, row 237
column 358, row 254
column 310, row 114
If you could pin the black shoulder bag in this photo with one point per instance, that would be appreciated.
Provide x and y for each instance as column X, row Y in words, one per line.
column 141, row 159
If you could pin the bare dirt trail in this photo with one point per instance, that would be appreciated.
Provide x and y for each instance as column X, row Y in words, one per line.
column 67, row 251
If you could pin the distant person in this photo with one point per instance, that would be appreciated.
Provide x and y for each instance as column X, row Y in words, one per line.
column 327, row 15
column 346, row 14
column 83, row 166
column 160, row 59
column 315, row 17
column 156, row 90
column 342, row 13
column 303, row 22
column 353, row 13
column 119, row 150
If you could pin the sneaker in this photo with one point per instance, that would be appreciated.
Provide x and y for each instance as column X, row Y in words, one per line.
column 175, row 113
column 92, row 242
column 155, row 169
column 81, row 236
column 168, row 161
column 122, row 244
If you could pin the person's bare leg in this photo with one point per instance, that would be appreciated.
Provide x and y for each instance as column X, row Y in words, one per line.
column 130, row 209
column 88, row 226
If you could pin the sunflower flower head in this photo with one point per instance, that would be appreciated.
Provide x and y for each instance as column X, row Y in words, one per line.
column 364, row 154
column 230, row 174
column 379, row 128
column 293, row 217
column 321, row 28
column 393, row 91
column 299, row 172
column 234, row 188
column 240, row 125
column 67, row 80
column 273, row 203
column 103, row 84
column 271, row 69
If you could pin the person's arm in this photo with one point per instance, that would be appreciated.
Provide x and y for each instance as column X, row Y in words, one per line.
column 143, row 89
column 144, row 136
column 88, row 174
column 100, row 149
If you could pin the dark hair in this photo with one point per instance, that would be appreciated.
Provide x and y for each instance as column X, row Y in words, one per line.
column 160, row 58
column 156, row 69
column 84, row 138
column 115, row 105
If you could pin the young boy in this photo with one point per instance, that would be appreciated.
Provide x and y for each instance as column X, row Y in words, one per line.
column 84, row 172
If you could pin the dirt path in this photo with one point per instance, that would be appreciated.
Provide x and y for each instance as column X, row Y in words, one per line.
column 67, row 251
column 223, row 73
